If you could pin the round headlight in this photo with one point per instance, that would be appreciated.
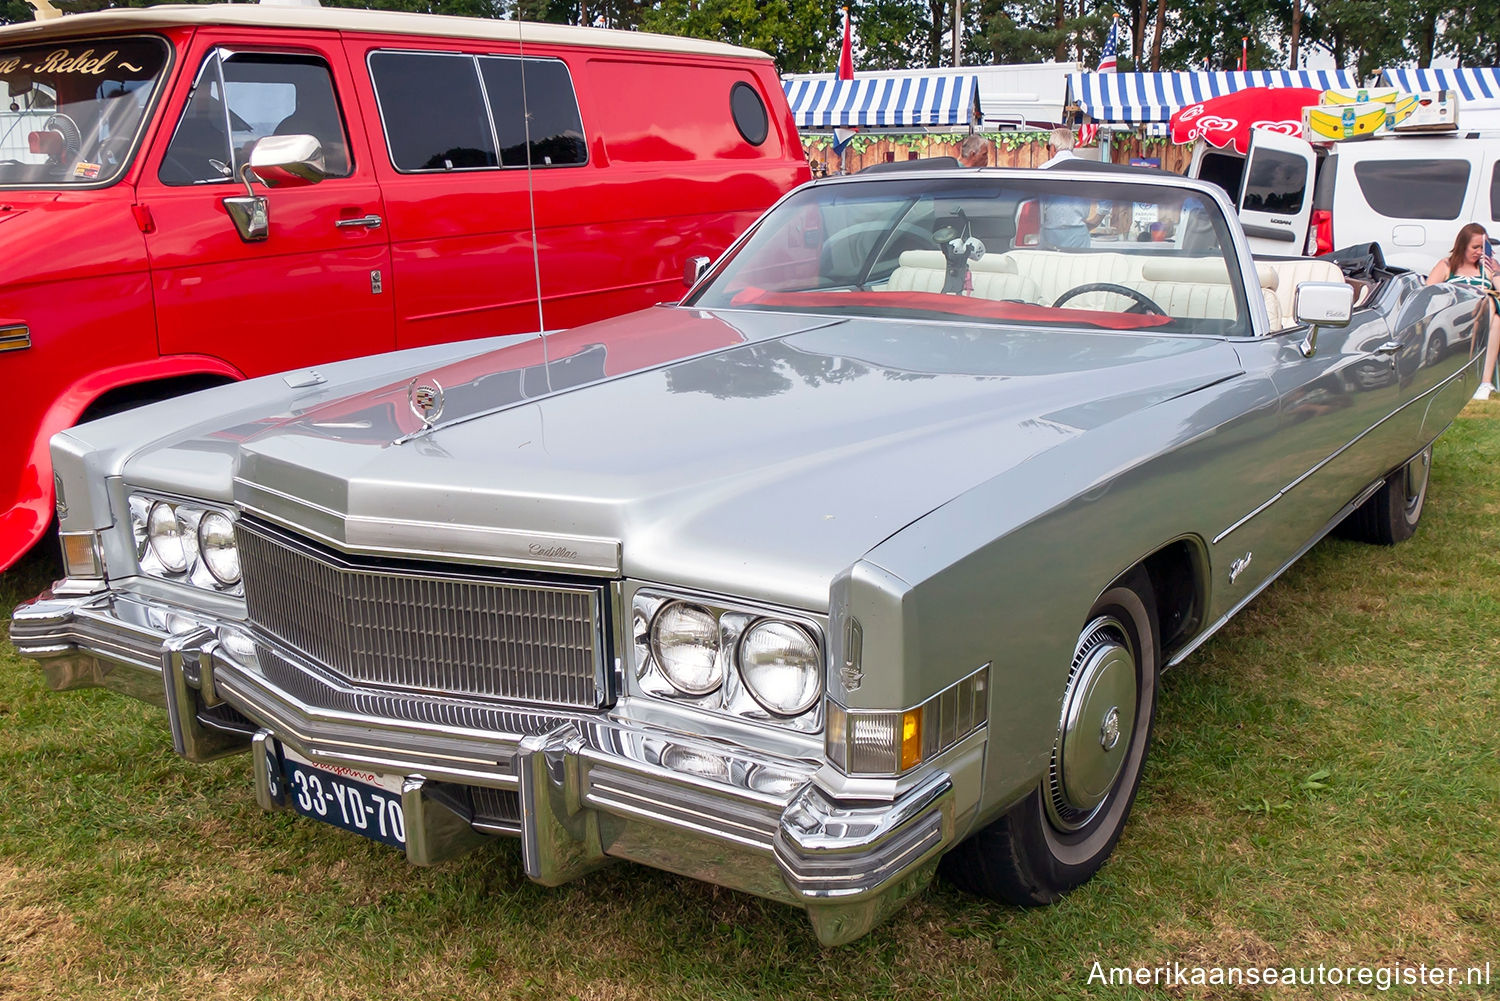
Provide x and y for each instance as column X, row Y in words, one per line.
column 173, row 546
column 685, row 641
column 216, row 545
column 781, row 667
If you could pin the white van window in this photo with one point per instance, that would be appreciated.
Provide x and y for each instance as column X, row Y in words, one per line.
column 1495, row 193
column 1414, row 189
column 1224, row 169
column 243, row 97
column 1277, row 183
column 481, row 110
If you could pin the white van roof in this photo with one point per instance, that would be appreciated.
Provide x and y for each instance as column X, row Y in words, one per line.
column 352, row 21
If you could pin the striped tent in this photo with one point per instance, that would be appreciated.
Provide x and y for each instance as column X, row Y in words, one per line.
column 822, row 102
column 1144, row 98
column 1473, row 85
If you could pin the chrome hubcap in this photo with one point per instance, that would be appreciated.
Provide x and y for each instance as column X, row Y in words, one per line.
column 1097, row 723
column 1417, row 471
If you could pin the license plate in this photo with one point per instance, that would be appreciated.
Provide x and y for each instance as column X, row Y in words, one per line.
column 365, row 803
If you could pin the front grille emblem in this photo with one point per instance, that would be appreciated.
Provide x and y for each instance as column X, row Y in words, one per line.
column 425, row 400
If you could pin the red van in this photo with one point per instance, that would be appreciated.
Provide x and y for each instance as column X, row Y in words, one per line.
column 469, row 177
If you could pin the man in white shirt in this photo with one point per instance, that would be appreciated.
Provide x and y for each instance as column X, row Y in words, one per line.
column 1065, row 221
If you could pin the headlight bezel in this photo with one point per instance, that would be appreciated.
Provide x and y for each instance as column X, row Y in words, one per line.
column 732, row 697
column 188, row 514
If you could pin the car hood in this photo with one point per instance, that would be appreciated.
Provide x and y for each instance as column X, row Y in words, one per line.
column 689, row 446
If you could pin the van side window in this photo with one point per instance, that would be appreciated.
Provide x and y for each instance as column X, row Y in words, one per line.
column 481, row 109
column 1223, row 169
column 433, row 111
column 1277, row 183
column 556, row 130
column 1414, row 189
column 243, row 97
column 1495, row 193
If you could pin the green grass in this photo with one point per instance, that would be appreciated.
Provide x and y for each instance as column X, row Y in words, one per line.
column 1324, row 788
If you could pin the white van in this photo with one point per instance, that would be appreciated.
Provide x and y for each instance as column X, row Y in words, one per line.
column 1409, row 193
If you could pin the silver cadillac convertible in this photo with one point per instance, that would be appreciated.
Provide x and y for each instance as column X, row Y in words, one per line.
column 861, row 561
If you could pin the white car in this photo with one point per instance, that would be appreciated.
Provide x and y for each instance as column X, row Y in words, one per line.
column 1408, row 193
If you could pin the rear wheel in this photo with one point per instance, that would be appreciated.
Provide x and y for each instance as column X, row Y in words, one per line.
column 1059, row 836
column 1392, row 512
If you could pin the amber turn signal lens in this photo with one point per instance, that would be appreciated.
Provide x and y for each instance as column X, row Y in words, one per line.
column 81, row 556
column 911, row 739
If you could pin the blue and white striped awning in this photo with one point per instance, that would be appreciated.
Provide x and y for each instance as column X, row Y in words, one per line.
column 822, row 102
column 1152, row 97
column 1475, row 86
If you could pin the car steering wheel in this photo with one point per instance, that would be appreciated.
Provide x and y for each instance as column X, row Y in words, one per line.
column 1146, row 304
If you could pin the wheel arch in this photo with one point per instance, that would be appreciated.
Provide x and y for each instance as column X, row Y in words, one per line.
column 27, row 520
column 1178, row 572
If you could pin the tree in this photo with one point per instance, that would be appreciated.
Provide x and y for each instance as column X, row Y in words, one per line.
column 14, row 11
column 1472, row 34
column 800, row 34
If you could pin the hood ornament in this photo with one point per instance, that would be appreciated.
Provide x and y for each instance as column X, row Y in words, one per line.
column 425, row 399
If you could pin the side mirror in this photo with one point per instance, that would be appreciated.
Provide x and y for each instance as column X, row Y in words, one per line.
column 694, row 269
column 287, row 161
column 1329, row 304
column 277, row 162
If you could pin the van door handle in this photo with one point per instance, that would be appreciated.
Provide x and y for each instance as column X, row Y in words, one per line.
column 1388, row 348
column 372, row 221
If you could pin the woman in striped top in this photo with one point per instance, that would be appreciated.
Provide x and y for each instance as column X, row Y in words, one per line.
column 1471, row 264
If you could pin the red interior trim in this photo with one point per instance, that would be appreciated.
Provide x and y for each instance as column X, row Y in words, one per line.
column 959, row 305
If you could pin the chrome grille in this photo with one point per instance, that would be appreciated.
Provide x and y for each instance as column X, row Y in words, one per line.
column 427, row 630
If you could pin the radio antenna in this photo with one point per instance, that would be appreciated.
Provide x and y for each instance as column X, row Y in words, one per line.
column 536, row 257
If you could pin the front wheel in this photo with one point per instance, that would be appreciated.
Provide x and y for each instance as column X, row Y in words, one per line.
column 1060, row 835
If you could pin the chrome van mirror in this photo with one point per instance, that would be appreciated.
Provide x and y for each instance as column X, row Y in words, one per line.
column 695, row 268
column 288, row 161
column 1329, row 304
column 277, row 162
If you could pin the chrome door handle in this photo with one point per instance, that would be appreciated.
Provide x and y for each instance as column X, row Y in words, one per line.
column 1388, row 348
column 372, row 221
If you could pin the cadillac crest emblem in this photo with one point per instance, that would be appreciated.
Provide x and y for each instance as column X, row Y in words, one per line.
column 425, row 397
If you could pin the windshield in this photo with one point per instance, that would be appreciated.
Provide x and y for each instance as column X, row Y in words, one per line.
column 1019, row 248
column 73, row 110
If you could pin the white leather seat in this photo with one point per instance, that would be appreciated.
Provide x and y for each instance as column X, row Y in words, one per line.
column 1290, row 274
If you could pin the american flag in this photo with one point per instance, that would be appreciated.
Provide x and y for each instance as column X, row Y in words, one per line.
column 1111, row 45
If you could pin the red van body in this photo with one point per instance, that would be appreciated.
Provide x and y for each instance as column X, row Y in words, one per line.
column 468, row 194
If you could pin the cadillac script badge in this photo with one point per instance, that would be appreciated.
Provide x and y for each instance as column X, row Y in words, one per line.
column 425, row 397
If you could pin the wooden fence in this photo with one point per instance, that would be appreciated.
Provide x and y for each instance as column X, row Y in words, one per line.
column 1007, row 149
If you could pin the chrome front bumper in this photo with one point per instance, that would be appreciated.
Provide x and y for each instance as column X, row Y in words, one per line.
column 586, row 789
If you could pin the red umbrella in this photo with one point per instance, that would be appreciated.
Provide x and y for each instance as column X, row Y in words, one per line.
column 1227, row 119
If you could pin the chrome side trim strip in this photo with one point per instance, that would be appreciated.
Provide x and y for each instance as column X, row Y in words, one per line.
column 1334, row 455
column 1333, row 523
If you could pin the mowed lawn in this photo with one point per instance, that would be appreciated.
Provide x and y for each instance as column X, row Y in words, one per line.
column 1324, row 788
